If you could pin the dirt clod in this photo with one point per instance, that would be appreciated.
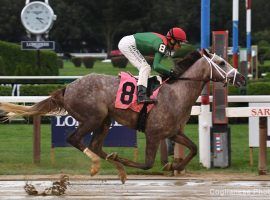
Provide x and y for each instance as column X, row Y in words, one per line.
column 58, row 188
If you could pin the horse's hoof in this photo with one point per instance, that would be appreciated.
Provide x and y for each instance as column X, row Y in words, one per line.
column 111, row 156
column 167, row 167
column 95, row 168
column 93, row 171
column 123, row 177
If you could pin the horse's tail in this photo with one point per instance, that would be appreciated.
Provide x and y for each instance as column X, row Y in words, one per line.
column 53, row 104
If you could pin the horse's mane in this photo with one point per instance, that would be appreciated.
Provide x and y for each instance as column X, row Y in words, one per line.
column 182, row 65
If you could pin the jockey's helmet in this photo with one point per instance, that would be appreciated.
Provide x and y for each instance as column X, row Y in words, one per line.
column 177, row 34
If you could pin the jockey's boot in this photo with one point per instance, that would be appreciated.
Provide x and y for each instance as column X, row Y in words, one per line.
column 142, row 96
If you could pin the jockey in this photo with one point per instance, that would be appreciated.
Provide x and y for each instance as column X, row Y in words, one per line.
column 133, row 47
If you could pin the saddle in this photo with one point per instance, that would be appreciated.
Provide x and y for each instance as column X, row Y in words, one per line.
column 126, row 97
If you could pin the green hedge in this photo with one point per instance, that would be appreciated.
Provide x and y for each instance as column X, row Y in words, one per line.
column 2, row 66
column 264, row 52
column 264, row 68
column 24, row 63
column 258, row 88
column 5, row 90
column 253, row 88
column 77, row 62
column 232, row 90
column 32, row 90
column 88, row 62
column 39, row 90
column 60, row 63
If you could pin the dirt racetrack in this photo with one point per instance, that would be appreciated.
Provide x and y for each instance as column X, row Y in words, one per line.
column 188, row 186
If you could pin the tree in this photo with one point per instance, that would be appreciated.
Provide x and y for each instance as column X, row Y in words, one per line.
column 123, row 17
column 11, row 28
column 101, row 24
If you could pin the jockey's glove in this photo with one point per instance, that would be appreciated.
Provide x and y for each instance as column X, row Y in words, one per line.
column 173, row 74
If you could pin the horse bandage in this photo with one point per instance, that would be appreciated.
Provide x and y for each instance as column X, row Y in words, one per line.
column 91, row 154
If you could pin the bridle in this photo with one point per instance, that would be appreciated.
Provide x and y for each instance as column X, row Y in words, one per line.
column 221, row 72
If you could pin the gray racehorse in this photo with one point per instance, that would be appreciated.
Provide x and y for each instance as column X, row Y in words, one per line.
column 90, row 100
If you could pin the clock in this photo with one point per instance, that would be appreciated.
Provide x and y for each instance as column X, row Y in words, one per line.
column 37, row 17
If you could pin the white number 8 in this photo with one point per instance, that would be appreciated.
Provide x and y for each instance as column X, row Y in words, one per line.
column 162, row 48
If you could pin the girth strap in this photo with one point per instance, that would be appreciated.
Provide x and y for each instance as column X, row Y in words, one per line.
column 141, row 123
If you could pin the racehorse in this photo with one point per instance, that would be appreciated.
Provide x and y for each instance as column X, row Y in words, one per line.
column 90, row 100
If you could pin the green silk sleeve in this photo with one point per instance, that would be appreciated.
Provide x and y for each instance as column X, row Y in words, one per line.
column 158, row 67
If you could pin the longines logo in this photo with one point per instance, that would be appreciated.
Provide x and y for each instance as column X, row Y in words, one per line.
column 66, row 121
column 34, row 45
column 70, row 121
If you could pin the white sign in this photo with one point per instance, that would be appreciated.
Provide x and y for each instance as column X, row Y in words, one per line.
column 35, row 45
column 253, row 124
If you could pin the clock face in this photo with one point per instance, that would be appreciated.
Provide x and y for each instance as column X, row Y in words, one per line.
column 37, row 17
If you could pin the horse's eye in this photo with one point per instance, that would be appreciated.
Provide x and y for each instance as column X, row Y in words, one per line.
column 222, row 63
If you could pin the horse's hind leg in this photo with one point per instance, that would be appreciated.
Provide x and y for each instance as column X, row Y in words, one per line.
column 96, row 147
column 184, row 140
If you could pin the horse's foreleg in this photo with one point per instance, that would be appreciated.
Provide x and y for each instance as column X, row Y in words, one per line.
column 96, row 147
column 152, row 145
column 184, row 140
column 75, row 139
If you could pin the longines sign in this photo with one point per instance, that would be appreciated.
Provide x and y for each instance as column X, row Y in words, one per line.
column 118, row 136
column 41, row 45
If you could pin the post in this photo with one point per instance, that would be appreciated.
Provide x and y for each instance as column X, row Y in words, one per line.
column 220, row 132
column 235, row 32
column 36, row 139
column 38, row 38
column 248, row 29
column 263, row 145
column 255, row 61
column 204, row 118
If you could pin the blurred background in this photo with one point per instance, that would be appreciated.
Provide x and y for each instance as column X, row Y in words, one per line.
column 96, row 26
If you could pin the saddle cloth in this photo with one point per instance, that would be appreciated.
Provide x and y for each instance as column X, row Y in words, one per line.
column 126, row 97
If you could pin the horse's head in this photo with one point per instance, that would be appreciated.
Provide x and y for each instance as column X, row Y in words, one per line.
column 222, row 71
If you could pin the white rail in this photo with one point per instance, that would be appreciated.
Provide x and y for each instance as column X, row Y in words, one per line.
column 248, row 98
column 22, row 99
column 39, row 77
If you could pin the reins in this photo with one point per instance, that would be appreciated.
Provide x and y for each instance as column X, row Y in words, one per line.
column 221, row 72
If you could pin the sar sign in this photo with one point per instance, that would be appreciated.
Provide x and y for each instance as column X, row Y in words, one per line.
column 258, row 110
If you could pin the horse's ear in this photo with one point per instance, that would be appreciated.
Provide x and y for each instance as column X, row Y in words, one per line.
column 206, row 52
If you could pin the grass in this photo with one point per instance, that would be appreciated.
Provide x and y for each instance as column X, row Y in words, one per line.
column 101, row 68
column 16, row 153
column 267, row 62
